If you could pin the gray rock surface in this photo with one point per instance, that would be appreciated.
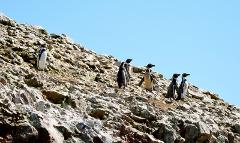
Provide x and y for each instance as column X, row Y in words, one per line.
column 67, row 104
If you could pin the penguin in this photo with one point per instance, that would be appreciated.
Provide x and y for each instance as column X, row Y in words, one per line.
column 183, row 88
column 128, row 68
column 148, row 78
column 173, row 87
column 150, row 66
column 41, row 59
column 121, row 76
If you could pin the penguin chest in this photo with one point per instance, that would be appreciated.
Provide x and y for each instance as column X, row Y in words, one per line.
column 185, row 88
column 147, row 82
column 42, row 60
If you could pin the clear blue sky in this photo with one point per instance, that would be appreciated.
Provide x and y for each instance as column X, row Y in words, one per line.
column 199, row 37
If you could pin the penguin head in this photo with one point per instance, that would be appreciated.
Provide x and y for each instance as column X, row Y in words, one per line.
column 128, row 60
column 150, row 66
column 122, row 65
column 42, row 50
column 185, row 74
column 176, row 75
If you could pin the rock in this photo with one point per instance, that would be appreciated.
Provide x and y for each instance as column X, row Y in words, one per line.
column 236, row 128
column 6, row 21
column 191, row 133
column 54, row 96
column 143, row 112
column 25, row 132
column 204, row 132
column 42, row 106
column 133, row 136
column 65, row 131
column 212, row 95
column 165, row 133
column 99, row 113
column 137, row 70
column 184, row 107
column 196, row 95
column 76, row 99
column 98, row 78
column 46, row 132
column 222, row 139
column 3, row 81
column 34, row 82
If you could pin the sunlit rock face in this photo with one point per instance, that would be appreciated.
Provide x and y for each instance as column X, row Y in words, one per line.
column 67, row 103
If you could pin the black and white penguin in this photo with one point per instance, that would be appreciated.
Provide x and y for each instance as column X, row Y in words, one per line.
column 42, row 59
column 148, row 78
column 121, row 76
column 183, row 88
column 128, row 68
column 173, row 87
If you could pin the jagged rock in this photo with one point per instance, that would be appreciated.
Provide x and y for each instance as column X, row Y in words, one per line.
column 42, row 106
column 3, row 80
column 196, row 95
column 184, row 107
column 236, row 127
column 99, row 113
column 191, row 133
column 46, row 132
column 34, row 82
column 165, row 133
column 131, row 135
column 54, row 96
column 204, row 132
column 25, row 132
column 37, row 104
column 7, row 21
column 212, row 95
column 65, row 131
column 143, row 112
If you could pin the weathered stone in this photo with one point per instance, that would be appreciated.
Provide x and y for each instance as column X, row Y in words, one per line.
column 184, row 107
column 165, row 133
column 34, row 82
column 236, row 128
column 212, row 95
column 25, row 132
column 54, row 96
column 191, row 133
column 6, row 21
column 99, row 113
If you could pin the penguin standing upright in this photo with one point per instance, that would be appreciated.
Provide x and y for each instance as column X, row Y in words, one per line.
column 41, row 59
column 183, row 88
column 121, row 76
column 173, row 87
column 148, row 78
column 128, row 69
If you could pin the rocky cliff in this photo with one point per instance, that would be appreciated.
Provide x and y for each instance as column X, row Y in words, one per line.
column 66, row 103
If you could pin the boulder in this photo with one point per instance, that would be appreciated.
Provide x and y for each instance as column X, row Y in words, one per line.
column 211, row 95
column 165, row 133
column 191, row 133
column 204, row 132
column 25, row 132
column 99, row 113
column 54, row 96
column 184, row 107
column 6, row 21
column 34, row 82
column 236, row 128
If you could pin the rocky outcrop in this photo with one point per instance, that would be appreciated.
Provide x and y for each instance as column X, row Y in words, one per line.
column 76, row 98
